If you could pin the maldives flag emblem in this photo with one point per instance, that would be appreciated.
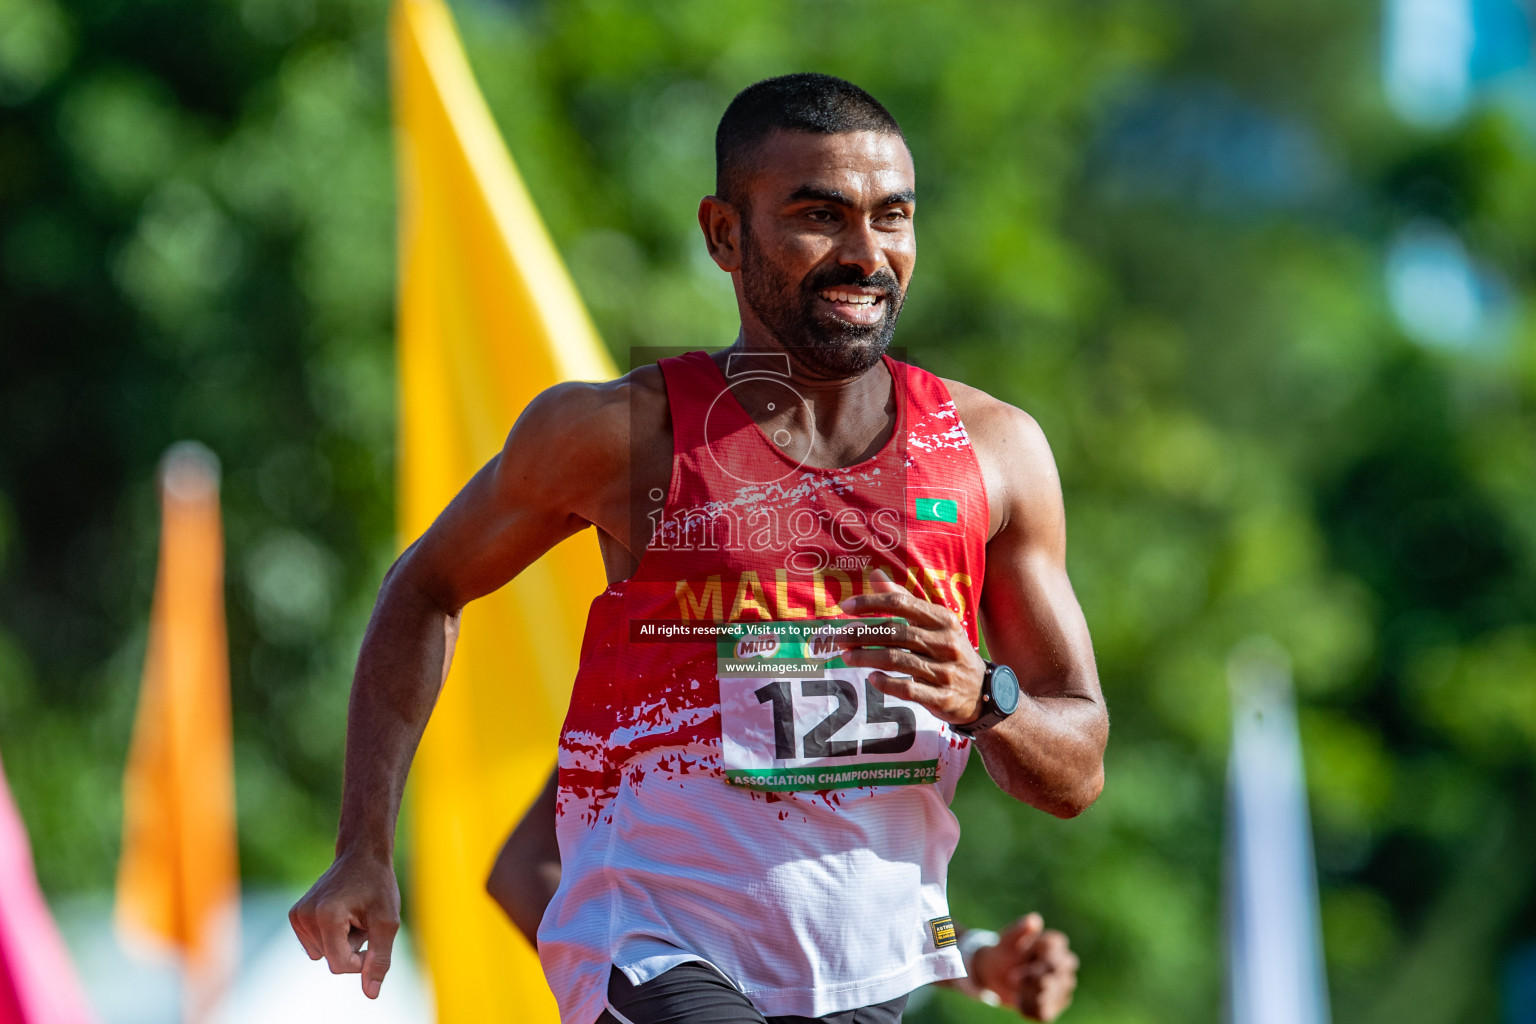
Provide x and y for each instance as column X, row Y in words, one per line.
column 936, row 510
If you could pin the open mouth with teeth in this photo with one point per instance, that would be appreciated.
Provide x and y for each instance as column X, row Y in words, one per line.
column 855, row 305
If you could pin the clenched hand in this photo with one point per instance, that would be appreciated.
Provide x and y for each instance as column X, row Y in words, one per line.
column 350, row 917
column 1031, row 968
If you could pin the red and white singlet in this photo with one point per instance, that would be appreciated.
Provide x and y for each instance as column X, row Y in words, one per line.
column 750, row 801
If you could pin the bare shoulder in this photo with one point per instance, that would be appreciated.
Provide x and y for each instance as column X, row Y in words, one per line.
column 996, row 423
column 586, row 419
column 576, row 436
column 1016, row 461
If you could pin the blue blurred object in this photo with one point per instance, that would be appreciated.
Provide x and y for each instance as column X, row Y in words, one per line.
column 1439, row 296
column 1520, row 986
column 1199, row 142
column 1437, row 53
column 1501, row 38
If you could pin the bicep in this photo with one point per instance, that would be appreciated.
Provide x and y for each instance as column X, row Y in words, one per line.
column 518, row 506
column 1029, row 613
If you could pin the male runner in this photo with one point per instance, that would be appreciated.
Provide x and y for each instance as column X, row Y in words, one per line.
column 756, row 826
column 1028, row 967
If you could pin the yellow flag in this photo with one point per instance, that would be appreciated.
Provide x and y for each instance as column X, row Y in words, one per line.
column 488, row 318
column 178, row 883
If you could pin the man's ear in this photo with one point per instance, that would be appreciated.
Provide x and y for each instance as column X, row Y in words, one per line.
column 721, row 223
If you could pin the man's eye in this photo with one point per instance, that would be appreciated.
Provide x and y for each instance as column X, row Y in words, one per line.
column 895, row 215
column 819, row 215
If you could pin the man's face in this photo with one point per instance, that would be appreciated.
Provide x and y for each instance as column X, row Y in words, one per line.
column 828, row 246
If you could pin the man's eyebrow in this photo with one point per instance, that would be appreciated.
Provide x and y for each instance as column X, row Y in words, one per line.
column 812, row 193
column 823, row 195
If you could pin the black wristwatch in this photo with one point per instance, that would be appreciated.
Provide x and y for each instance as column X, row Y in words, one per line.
column 999, row 699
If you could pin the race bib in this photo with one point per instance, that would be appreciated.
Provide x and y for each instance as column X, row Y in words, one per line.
column 795, row 716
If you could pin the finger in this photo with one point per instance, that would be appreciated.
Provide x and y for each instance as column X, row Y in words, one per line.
column 893, row 661
column 381, row 940
column 854, row 633
column 1063, row 967
column 299, row 920
column 884, row 592
column 335, row 935
column 1010, row 958
column 1009, row 961
column 898, row 675
column 1050, row 966
column 937, row 644
column 905, row 687
column 1051, row 946
column 870, row 632
column 1054, row 1000
column 899, row 602
column 941, row 701
column 1044, row 996
column 1044, row 1002
column 1022, row 933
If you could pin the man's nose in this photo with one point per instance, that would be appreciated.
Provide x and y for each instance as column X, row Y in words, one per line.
column 861, row 248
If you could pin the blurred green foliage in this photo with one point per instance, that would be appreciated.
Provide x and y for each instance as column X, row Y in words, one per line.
column 1158, row 227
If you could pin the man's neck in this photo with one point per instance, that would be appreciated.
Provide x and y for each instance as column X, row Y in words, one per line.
column 853, row 415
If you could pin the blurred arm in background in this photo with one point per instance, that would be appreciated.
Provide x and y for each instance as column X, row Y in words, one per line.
column 1029, row 967
column 527, row 870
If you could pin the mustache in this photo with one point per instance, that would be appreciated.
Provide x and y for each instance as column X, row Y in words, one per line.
column 839, row 276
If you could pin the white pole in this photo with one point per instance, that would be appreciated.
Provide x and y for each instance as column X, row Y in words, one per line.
column 1275, row 972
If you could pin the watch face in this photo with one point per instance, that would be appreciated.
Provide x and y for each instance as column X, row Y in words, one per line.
column 1005, row 690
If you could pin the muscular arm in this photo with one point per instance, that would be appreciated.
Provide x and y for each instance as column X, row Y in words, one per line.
column 514, row 509
column 511, row 512
column 1050, row 752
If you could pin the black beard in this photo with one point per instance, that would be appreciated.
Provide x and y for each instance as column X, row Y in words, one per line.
column 829, row 347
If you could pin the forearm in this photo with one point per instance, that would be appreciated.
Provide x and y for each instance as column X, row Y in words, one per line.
column 496, row 526
column 1049, row 753
column 405, row 656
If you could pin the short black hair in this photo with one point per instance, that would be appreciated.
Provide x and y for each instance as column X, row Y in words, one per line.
column 807, row 102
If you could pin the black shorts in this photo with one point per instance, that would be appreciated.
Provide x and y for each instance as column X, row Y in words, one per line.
column 696, row 993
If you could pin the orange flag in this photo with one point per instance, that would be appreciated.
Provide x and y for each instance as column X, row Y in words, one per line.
column 178, row 886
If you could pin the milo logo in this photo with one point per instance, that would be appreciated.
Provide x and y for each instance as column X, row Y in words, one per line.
column 757, row 645
column 823, row 644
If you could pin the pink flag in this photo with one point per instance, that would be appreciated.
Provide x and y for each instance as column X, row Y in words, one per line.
column 37, row 981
